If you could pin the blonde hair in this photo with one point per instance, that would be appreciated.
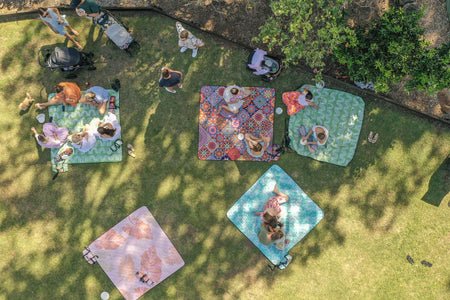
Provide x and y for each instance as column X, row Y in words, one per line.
column 75, row 138
column 90, row 96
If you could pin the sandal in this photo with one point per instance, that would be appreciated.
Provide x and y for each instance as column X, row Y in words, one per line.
column 375, row 138
column 370, row 137
column 129, row 146
column 131, row 153
column 409, row 258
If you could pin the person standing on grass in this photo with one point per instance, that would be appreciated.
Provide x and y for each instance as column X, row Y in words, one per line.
column 53, row 19
column 170, row 78
column 186, row 40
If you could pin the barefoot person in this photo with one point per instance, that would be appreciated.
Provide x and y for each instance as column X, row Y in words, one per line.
column 84, row 140
column 273, row 204
column 109, row 128
column 53, row 137
column 66, row 93
column 57, row 23
column 317, row 136
column 234, row 98
column 96, row 96
column 296, row 101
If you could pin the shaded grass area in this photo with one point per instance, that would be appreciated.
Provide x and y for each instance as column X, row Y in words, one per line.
column 374, row 213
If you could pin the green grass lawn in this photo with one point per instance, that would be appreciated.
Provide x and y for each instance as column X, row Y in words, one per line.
column 390, row 201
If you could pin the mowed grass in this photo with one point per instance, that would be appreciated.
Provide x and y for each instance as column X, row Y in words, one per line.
column 390, row 201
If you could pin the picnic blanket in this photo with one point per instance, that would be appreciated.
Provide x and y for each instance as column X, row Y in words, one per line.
column 299, row 215
column 136, row 244
column 74, row 118
column 218, row 133
column 341, row 113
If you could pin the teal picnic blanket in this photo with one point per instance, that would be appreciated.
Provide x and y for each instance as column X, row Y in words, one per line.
column 74, row 118
column 299, row 215
column 341, row 113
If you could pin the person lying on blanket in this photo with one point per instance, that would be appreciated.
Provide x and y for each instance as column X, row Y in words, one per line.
column 255, row 145
column 109, row 128
column 317, row 136
column 273, row 204
column 234, row 98
column 96, row 96
column 296, row 101
column 84, row 140
column 66, row 93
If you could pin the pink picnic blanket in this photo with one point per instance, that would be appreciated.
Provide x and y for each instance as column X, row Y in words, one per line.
column 136, row 244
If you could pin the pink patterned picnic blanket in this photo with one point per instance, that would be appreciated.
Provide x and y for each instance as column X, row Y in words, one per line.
column 218, row 132
column 136, row 244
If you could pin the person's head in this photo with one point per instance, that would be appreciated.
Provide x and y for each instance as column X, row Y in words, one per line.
column 59, row 89
column 184, row 35
column 90, row 97
column 165, row 73
column 42, row 11
column 76, row 138
column 309, row 95
column 276, row 235
column 74, row 3
column 321, row 136
column 234, row 91
column 256, row 147
column 41, row 138
column 106, row 131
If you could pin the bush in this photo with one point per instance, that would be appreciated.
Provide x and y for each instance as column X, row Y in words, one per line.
column 392, row 47
column 305, row 30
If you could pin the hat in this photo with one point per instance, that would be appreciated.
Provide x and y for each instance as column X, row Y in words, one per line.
column 74, row 3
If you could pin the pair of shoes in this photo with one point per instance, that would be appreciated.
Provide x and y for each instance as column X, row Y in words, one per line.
column 115, row 85
column 194, row 52
column 173, row 92
column 183, row 49
column 131, row 151
column 372, row 138
column 423, row 262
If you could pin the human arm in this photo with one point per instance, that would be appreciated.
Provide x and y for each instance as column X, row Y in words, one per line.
column 34, row 130
column 306, row 89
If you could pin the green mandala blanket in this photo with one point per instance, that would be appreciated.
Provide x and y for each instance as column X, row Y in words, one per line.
column 74, row 118
column 341, row 113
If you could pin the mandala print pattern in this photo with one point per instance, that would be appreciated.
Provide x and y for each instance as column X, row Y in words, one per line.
column 74, row 118
column 218, row 131
column 342, row 114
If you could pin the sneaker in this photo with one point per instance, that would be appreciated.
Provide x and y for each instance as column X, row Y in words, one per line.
column 173, row 92
column 183, row 49
column 194, row 52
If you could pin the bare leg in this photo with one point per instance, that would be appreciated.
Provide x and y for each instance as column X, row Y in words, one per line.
column 73, row 41
column 102, row 107
column 311, row 149
column 52, row 101
column 73, row 30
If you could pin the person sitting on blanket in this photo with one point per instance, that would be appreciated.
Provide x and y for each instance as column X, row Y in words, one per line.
column 66, row 93
column 255, row 145
column 84, row 140
column 53, row 137
column 268, row 235
column 273, row 204
column 97, row 97
column 316, row 137
column 109, row 128
column 233, row 96
column 296, row 101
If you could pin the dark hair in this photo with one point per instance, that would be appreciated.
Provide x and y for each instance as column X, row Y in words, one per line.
column 107, row 131
column 184, row 34
column 256, row 147
column 309, row 95
column 74, row 3
column 276, row 235
column 234, row 91
column 41, row 138
column 165, row 73
column 58, row 88
column 270, row 220
column 321, row 136
column 42, row 10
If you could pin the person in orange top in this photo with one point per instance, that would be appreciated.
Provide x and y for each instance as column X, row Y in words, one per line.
column 66, row 93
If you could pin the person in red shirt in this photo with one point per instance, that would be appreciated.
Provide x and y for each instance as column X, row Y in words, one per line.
column 66, row 93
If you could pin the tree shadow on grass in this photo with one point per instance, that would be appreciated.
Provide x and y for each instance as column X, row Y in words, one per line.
column 439, row 184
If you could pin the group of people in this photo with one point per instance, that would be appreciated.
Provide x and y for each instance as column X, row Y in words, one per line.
column 271, row 230
column 69, row 93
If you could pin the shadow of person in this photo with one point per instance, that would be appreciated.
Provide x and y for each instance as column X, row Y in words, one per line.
column 439, row 185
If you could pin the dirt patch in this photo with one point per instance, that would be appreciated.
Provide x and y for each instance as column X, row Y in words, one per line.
column 239, row 21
